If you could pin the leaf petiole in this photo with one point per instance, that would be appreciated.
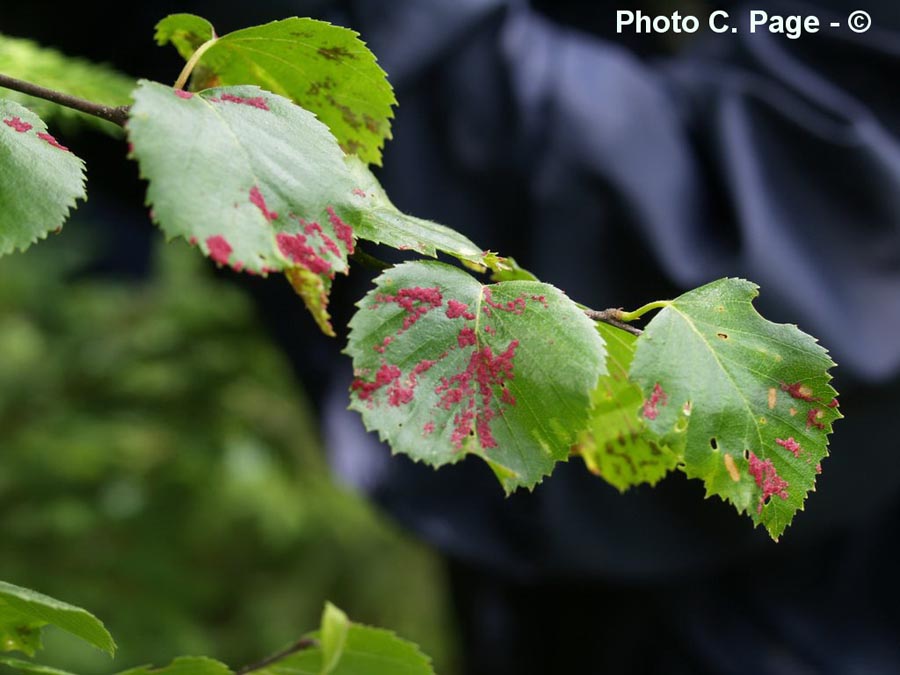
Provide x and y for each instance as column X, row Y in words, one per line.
column 640, row 311
column 189, row 66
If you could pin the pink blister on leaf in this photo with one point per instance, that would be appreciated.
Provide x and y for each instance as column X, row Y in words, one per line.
column 257, row 199
column 18, row 124
column 457, row 309
column 254, row 102
column 47, row 138
column 341, row 229
column 219, row 249
column 657, row 398
column 473, row 390
column 790, row 445
column 767, row 479
column 415, row 301
column 296, row 249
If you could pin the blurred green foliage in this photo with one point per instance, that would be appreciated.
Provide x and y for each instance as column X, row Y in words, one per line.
column 26, row 60
column 159, row 467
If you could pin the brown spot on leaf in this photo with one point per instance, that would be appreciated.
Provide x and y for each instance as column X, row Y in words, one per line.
column 371, row 124
column 731, row 467
column 351, row 147
column 799, row 391
column 316, row 88
column 347, row 113
column 773, row 397
column 812, row 418
column 336, row 53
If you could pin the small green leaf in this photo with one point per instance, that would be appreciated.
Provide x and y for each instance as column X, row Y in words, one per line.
column 335, row 626
column 18, row 633
column 186, row 32
column 184, row 665
column 615, row 445
column 326, row 69
column 252, row 179
column 30, row 609
column 28, row 61
column 510, row 270
column 749, row 399
column 41, row 179
column 446, row 366
column 367, row 651
column 29, row 667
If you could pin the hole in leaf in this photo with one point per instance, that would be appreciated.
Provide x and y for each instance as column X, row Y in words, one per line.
column 724, row 336
column 746, row 454
column 713, row 444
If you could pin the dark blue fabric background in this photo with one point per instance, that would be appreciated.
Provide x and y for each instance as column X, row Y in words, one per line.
column 622, row 177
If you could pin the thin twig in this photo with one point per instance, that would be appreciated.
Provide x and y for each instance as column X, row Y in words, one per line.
column 116, row 115
column 298, row 646
column 611, row 316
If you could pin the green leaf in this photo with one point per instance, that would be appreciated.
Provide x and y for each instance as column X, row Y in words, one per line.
column 367, row 651
column 252, row 179
column 30, row 609
column 184, row 665
column 446, row 366
column 29, row 667
column 511, row 271
column 28, row 61
column 750, row 398
column 326, row 69
column 335, row 626
column 186, row 32
column 235, row 170
column 18, row 633
column 380, row 222
column 41, row 179
column 615, row 445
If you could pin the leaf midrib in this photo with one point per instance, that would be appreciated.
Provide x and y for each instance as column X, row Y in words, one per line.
column 740, row 393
